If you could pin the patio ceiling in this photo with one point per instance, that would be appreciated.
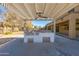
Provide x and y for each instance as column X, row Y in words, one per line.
column 49, row 10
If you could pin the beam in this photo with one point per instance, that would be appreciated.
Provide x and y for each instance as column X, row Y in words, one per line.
column 31, row 9
column 14, row 10
column 49, row 8
column 60, row 8
column 21, row 8
column 39, row 7
column 71, row 6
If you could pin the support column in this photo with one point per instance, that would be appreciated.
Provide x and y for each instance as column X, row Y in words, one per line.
column 47, row 27
column 60, row 28
column 24, row 25
column 54, row 27
column 51, row 27
column 72, row 26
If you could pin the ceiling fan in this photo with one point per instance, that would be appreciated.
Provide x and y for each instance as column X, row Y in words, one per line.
column 39, row 15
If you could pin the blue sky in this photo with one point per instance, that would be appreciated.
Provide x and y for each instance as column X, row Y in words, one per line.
column 2, row 11
column 40, row 22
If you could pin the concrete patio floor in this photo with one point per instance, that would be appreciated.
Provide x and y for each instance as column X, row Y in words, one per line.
column 61, row 47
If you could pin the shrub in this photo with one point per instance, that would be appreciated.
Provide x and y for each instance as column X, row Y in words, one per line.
column 7, row 33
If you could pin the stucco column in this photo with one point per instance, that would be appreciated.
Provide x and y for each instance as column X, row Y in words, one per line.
column 24, row 25
column 72, row 26
column 51, row 27
column 54, row 27
column 47, row 28
column 60, row 28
